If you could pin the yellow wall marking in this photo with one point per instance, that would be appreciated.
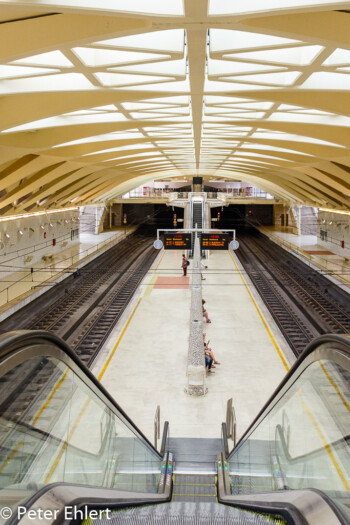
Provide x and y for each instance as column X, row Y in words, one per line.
column 261, row 317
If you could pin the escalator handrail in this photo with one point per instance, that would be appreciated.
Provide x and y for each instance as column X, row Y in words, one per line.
column 14, row 342
column 299, row 507
column 60, row 496
column 317, row 348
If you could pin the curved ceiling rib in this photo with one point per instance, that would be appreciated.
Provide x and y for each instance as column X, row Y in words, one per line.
column 98, row 98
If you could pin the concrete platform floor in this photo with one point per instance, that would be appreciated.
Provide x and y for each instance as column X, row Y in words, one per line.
column 143, row 363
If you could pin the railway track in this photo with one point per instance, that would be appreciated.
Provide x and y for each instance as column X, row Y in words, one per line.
column 303, row 302
column 83, row 311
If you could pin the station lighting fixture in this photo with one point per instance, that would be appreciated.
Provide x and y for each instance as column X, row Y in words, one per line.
column 20, row 232
column 42, row 227
column 340, row 212
column 51, row 225
column 35, row 214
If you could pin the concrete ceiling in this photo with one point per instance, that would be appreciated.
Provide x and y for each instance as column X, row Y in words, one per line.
column 97, row 100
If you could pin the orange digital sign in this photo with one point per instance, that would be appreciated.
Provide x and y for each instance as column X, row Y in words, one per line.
column 177, row 241
column 214, row 241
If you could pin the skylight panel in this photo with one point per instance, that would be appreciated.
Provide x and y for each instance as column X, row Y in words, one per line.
column 54, row 82
column 51, row 59
column 165, row 85
column 242, row 114
column 212, row 99
column 19, row 71
column 227, row 40
column 170, row 40
column 309, row 118
column 121, row 79
column 170, row 67
column 285, row 78
column 295, row 138
column 227, row 7
column 268, row 148
column 171, row 99
column 292, row 56
column 70, row 120
column 95, row 57
column 223, row 68
column 340, row 57
column 326, row 80
column 151, row 7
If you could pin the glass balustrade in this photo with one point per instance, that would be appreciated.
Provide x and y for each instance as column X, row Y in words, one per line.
column 57, row 426
column 302, row 439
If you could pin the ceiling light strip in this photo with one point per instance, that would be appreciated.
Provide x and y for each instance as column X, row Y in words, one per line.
column 34, row 214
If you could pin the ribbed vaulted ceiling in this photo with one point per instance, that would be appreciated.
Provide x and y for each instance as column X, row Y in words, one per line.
column 98, row 97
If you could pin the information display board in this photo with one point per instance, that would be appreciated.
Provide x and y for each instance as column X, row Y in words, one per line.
column 215, row 241
column 177, row 241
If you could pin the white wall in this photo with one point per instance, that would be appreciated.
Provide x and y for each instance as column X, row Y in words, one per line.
column 336, row 228
column 24, row 250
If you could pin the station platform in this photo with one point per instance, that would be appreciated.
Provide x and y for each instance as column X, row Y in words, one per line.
column 21, row 286
column 306, row 247
column 143, row 363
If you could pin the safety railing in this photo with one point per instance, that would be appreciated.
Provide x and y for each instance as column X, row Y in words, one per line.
column 299, row 441
column 70, row 442
column 141, row 193
column 332, row 267
column 41, row 276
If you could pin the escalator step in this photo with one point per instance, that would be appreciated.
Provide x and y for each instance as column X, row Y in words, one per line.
column 192, row 487
column 185, row 514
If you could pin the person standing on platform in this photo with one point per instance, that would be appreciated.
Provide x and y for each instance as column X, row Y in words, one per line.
column 184, row 264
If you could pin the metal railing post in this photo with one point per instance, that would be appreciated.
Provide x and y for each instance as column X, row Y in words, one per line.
column 157, row 426
column 231, row 422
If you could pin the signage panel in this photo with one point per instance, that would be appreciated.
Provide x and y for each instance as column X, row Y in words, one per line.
column 214, row 241
column 177, row 241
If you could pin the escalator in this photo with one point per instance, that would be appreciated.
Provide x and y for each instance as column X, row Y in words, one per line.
column 197, row 218
column 67, row 448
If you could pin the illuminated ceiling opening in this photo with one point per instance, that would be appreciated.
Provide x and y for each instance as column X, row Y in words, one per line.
column 97, row 97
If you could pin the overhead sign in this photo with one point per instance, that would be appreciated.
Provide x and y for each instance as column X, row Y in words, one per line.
column 177, row 241
column 214, row 241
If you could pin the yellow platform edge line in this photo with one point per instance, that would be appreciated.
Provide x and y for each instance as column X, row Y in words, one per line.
column 119, row 339
column 261, row 316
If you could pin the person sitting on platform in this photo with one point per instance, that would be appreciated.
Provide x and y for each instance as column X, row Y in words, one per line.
column 208, row 351
column 209, row 364
column 205, row 313
column 205, row 268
